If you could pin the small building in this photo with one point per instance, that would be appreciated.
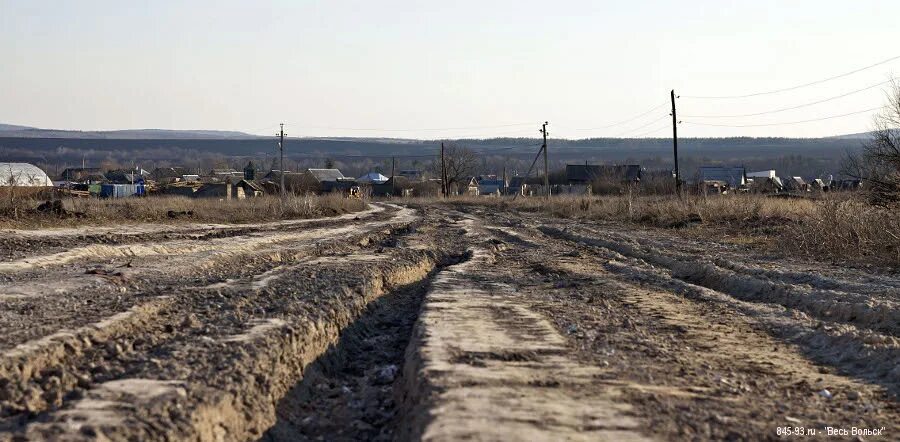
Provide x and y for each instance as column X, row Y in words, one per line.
column 224, row 191
column 762, row 174
column 85, row 175
column 372, row 178
column 294, row 182
column 122, row 176
column 180, row 189
column 250, row 188
column 490, row 185
column 225, row 174
column 167, row 175
column 795, row 184
column 23, row 175
column 517, row 185
column 327, row 181
column 394, row 186
column 722, row 179
column 765, row 185
column 412, row 175
column 121, row 190
column 468, row 186
column 588, row 174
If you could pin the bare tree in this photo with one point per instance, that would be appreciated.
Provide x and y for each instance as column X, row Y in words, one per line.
column 878, row 165
column 460, row 162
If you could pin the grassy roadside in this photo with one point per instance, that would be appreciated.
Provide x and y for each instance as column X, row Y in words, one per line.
column 838, row 228
column 22, row 213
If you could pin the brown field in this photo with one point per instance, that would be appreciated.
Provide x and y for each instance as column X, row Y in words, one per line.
column 20, row 213
column 835, row 227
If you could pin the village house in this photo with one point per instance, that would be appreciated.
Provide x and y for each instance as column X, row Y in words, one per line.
column 87, row 175
column 587, row 174
column 127, row 176
column 166, row 175
column 518, row 185
column 224, row 191
column 490, row 185
column 372, row 178
column 716, row 179
column 468, row 186
column 394, row 186
column 795, row 184
column 412, row 175
column 764, row 181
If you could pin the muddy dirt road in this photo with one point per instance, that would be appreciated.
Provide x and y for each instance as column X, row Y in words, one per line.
column 436, row 322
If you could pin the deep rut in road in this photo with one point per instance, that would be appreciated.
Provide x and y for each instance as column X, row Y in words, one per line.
column 350, row 392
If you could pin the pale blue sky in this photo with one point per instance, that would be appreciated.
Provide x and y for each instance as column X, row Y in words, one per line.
column 384, row 64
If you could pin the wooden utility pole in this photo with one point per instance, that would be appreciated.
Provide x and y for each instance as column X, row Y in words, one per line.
column 393, row 184
column 281, row 165
column 445, row 188
column 675, row 145
column 546, row 162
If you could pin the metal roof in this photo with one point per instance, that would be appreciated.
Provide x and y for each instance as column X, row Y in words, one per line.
column 733, row 176
column 325, row 174
column 23, row 175
column 587, row 173
column 372, row 177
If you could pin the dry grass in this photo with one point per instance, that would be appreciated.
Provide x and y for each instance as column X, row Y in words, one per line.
column 836, row 228
column 20, row 213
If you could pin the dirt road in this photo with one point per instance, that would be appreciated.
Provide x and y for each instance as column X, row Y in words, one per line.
column 435, row 322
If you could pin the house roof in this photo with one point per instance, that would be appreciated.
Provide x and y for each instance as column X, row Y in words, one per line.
column 71, row 172
column 762, row 174
column 733, row 176
column 372, row 177
column 586, row 172
column 169, row 172
column 516, row 181
column 252, row 184
column 325, row 174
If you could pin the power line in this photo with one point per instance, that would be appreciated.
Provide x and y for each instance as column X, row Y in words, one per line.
column 651, row 131
column 794, row 107
column 376, row 129
column 755, row 94
column 786, row 122
column 436, row 154
column 639, row 127
column 625, row 121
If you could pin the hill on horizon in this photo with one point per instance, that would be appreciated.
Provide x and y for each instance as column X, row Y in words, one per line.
column 17, row 131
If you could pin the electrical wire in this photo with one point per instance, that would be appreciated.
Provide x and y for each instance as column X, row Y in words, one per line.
column 625, row 121
column 794, row 107
column 639, row 127
column 786, row 122
column 755, row 94
column 437, row 153
column 412, row 130
column 651, row 131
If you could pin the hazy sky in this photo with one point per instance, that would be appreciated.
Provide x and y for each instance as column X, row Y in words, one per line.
column 325, row 67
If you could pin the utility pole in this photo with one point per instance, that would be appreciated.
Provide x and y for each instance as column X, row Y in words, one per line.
column 546, row 162
column 281, row 163
column 393, row 184
column 675, row 145
column 445, row 189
